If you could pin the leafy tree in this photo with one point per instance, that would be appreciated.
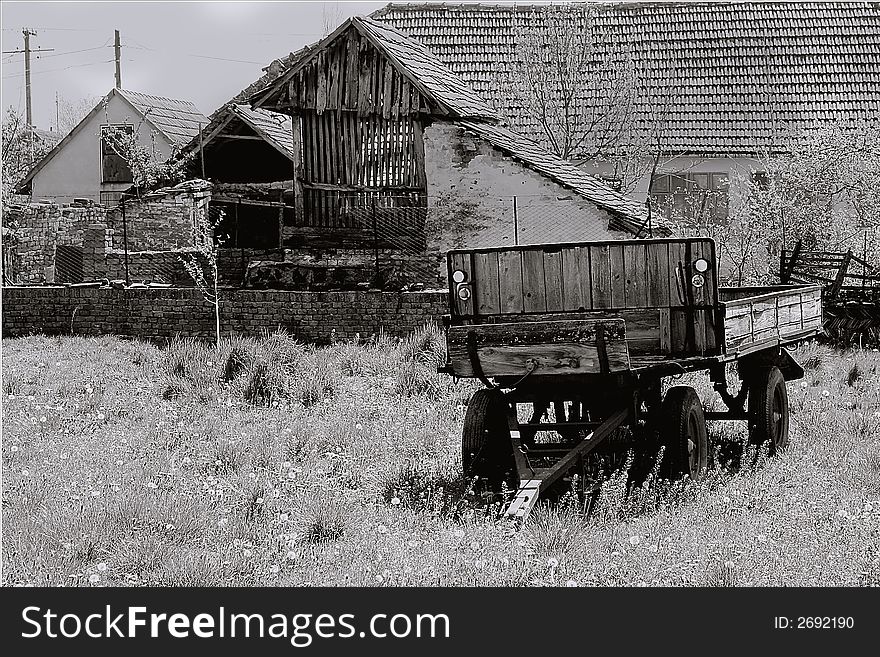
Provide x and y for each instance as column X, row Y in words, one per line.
column 18, row 157
column 202, row 264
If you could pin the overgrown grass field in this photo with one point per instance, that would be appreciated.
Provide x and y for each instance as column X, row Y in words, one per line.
column 267, row 462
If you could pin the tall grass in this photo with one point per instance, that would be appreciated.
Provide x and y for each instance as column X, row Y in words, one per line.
column 264, row 461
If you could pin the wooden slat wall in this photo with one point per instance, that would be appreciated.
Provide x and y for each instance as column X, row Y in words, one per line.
column 614, row 277
column 353, row 75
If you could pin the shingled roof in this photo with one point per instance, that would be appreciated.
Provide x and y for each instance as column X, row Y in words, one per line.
column 734, row 75
column 455, row 97
column 179, row 120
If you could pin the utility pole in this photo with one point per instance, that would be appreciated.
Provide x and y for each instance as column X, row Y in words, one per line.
column 117, row 49
column 57, row 122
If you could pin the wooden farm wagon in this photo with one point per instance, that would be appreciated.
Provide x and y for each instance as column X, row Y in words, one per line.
column 573, row 342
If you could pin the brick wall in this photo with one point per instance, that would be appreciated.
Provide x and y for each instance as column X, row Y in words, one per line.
column 161, row 313
column 162, row 220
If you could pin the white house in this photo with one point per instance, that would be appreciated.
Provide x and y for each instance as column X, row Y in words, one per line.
column 84, row 164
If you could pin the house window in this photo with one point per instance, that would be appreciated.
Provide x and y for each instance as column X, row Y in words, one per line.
column 691, row 197
column 114, row 168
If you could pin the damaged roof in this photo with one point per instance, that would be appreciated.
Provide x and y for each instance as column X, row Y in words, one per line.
column 727, row 77
column 274, row 128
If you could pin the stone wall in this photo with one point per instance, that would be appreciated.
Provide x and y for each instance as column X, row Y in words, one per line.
column 40, row 227
column 156, row 314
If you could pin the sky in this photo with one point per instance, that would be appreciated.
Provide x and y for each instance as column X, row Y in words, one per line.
column 173, row 49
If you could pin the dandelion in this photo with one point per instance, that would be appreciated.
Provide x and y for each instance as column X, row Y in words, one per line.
column 380, row 579
column 101, row 566
column 571, row 583
column 479, row 563
column 825, row 393
column 382, row 529
column 458, row 533
column 223, row 522
column 634, row 540
column 291, row 555
column 43, row 418
column 169, row 526
column 259, row 500
column 152, row 484
column 119, row 462
column 247, row 553
column 275, row 569
column 15, row 448
column 25, row 473
column 552, row 562
column 395, row 501
column 413, row 544
column 474, row 546
column 291, row 474
column 94, row 578
column 96, row 493
column 100, row 416
column 283, row 517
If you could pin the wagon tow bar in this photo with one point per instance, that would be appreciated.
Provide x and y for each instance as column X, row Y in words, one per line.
column 535, row 481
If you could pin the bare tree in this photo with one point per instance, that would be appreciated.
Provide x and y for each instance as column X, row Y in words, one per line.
column 572, row 81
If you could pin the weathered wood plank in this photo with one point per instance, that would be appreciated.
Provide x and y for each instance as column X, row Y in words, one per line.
column 553, row 279
column 557, row 347
column 576, row 278
column 635, row 257
column 487, row 297
column 618, row 276
column 665, row 331
column 658, row 275
column 677, row 292
column 534, row 298
column 511, row 284
column 600, row 275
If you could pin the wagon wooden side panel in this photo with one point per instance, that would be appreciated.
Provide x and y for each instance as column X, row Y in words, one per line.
column 756, row 317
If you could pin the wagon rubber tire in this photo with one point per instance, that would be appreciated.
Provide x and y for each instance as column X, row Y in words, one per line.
column 768, row 410
column 683, row 434
column 486, row 450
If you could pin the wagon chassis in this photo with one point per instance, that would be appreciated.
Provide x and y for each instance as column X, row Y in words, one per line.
column 640, row 385
column 599, row 362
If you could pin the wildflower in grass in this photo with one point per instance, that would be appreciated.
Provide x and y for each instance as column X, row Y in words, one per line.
column 152, row 484
column 96, row 493
column 395, row 501
column 634, row 540
column 259, row 500
column 101, row 566
column 247, row 553
column 100, row 416
column 25, row 473
column 458, row 533
column 571, row 583
column 275, row 569
column 94, row 578
column 474, row 546
column 223, row 522
column 291, row 555
column 380, row 579
column 825, row 393
column 413, row 544
column 552, row 562
column 382, row 529
column 479, row 563
column 43, row 418
column 14, row 448
column 283, row 517
column 119, row 462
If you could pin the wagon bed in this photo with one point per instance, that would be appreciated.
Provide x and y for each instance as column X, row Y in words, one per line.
column 586, row 332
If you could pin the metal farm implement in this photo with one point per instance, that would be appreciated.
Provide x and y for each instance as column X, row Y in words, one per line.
column 573, row 343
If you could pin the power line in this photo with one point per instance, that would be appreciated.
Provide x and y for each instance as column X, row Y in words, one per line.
column 73, row 52
column 54, row 70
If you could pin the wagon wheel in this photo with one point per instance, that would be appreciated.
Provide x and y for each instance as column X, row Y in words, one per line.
column 768, row 410
column 683, row 434
column 486, row 450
